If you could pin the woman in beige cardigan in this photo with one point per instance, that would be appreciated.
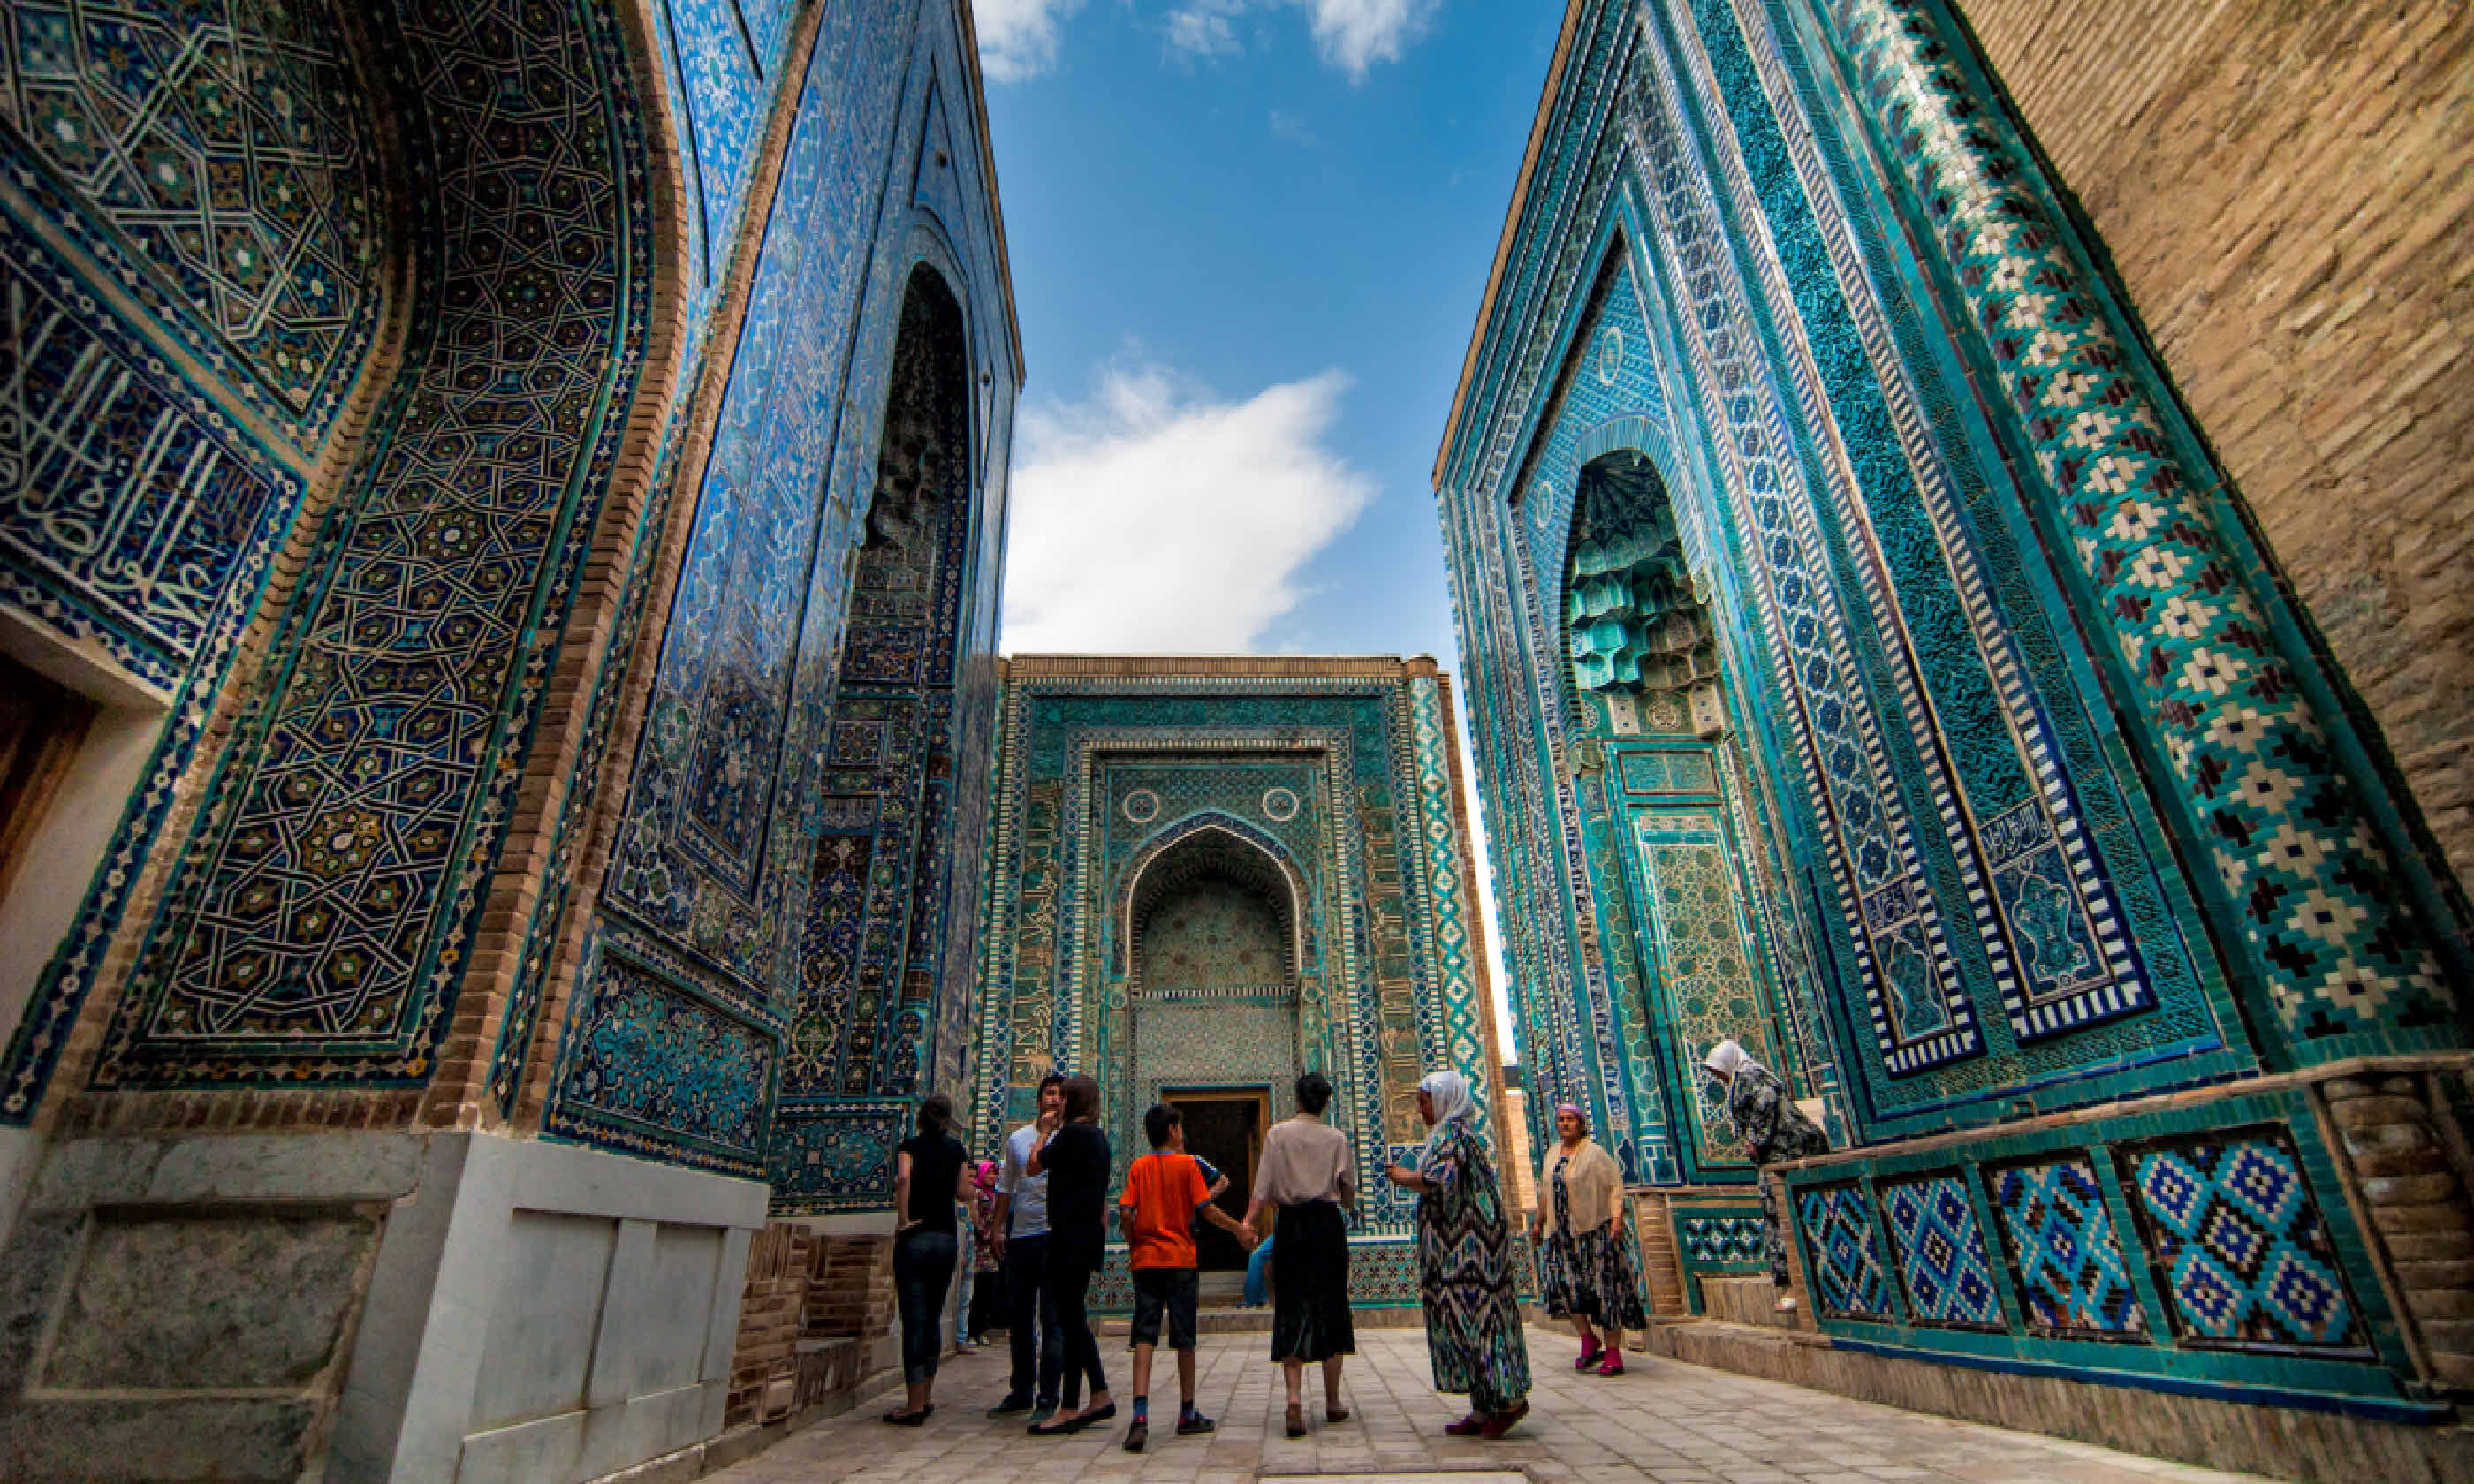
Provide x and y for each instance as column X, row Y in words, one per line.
column 1586, row 1248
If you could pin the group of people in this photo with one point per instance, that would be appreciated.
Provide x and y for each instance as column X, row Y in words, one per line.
column 1042, row 1221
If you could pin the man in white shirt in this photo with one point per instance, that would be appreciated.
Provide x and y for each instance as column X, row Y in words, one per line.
column 1022, row 1236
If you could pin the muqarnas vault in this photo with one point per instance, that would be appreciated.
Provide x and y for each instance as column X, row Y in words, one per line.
column 1870, row 666
column 499, row 573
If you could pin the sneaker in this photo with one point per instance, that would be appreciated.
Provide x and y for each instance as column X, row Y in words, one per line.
column 1014, row 1404
column 1193, row 1422
column 1137, row 1435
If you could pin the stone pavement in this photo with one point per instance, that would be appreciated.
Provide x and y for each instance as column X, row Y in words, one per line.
column 1665, row 1420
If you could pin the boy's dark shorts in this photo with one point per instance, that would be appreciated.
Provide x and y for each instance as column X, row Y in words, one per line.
column 1173, row 1289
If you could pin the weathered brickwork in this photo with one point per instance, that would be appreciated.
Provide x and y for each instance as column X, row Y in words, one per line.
column 2284, row 191
column 2412, row 1176
column 814, row 1324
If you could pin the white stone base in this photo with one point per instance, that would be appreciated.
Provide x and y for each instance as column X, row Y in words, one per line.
column 448, row 1307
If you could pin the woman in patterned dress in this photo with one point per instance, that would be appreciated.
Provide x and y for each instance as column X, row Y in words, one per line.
column 1464, row 1263
column 1772, row 1128
column 1585, row 1245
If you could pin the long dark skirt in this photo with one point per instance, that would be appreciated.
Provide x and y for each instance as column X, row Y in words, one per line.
column 1310, row 1317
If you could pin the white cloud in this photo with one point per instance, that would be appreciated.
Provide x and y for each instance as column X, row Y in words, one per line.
column 1018, row 37
column 1350, row 35
column 1354, row 34
column 1205, row 28
column 1152, row 520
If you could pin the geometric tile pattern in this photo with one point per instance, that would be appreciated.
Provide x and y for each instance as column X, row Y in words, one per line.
column 1232, row 781
column 1841, row 1257
column 808, row 760
column 648, row 1069
column 2062, row 1252
column 315, row 929
column 2338, row 944
column 1707, row 1240
column 226, row 149
column 1941, row 1258
column 1709, row 983
column 2239, row 1246
column 1954, row 624
column 163, row 581
column 1921, row 1015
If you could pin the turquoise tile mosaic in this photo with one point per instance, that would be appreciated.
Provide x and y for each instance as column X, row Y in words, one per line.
column 1939, row 1252
column 2241, row 1250
column 1842, row 1260
column 2062, row 1252
column 1133, row 811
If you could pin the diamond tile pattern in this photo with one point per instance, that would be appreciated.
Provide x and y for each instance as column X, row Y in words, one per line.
column 1941, row 1258
column 2062, row 1250
column 2239, row 1244
column 1844, row 1266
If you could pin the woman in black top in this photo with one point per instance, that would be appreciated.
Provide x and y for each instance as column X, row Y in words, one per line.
column 930, row 1174
column 1074, row 1159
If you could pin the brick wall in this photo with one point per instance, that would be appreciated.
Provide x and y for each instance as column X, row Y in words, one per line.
column 815, row 1309
column 2285, row 189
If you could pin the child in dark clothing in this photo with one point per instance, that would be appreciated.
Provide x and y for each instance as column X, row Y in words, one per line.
column 1165, row 1189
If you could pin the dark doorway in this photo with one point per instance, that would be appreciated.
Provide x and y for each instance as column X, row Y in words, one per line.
column 1224, row 1128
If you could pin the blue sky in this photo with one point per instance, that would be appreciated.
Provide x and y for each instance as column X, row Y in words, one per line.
column 1248, row 239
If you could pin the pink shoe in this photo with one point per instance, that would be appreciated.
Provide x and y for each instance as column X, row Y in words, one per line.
column 1591, row 1351
column 1613, row 1365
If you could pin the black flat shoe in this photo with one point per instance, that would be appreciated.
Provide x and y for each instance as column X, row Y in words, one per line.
column 902, row 1418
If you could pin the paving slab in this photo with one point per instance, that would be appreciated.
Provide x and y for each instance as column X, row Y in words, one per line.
column 1663, row 1420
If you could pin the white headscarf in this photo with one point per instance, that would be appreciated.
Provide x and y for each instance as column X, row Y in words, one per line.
column 1727, row 1059
column 1450, row 1093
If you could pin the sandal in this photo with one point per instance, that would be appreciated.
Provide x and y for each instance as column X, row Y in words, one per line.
column 1296, row 1420
column 1334, row 1414
column 902, row 1418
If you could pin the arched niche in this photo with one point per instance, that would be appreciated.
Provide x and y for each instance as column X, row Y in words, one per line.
column 874, row 963
column 1633, row 622
column 387, row 786
column 1212, row 912
column 1235, row 864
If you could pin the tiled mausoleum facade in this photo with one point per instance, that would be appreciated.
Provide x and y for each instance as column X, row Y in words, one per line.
column 1870, row 665
column 1211, row 875
column 499, row 558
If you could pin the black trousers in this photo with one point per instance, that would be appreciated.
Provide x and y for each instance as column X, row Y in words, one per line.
column 1068, row 1288
column 1038, row 1347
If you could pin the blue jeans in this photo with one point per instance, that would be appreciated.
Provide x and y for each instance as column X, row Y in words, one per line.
column 923, row 1267
column 1038, row 1346
column 1259, row 1269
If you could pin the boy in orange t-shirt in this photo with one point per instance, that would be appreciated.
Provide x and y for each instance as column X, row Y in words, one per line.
column 1164, row 1190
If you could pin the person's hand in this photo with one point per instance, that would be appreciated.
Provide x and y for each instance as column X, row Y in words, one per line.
column 1048, row 1123
column 1401, row 1175
column 997, row 1245
column 908, row 1226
